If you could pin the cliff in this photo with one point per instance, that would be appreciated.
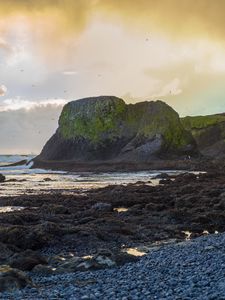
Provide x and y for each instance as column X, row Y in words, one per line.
column 209, row 134
column 106, row 129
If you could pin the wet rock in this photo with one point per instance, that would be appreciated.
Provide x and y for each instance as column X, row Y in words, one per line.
column 5, row 252
column 162, row 176
column 13, row 279
column 71, row 265
column 26, row 260
column 165, row 181
column 29, row 237
column 186, row 177
column 47, row 179
column 54, row 209
column 43, row 270
column 104, row 207
column 140, row 182
column 2, row 178
column 16, row 180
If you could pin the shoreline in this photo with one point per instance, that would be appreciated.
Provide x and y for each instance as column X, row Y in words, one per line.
column 61, row 235
column 103, row 166
column 190, row 270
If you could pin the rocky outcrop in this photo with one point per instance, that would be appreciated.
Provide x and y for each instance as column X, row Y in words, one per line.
column 209, row 134
column 105, row 129
column 13, row 279
column 2, row 178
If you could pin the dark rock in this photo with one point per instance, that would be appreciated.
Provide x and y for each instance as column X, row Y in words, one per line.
column 162, row 176
column 43, row 270
column 209, row 134
column 165, row 181
column 6, row 252
column 29, row 237
column 105, row 129
column 13, row 279
column 102, row 207
column 47, row 179
column 2, row 178
column 26, row 260
column 54, row 209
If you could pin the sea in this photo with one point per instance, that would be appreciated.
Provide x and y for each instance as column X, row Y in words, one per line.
column 24, row 179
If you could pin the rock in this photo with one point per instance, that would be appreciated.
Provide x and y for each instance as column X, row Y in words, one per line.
column 139, row 182
column 43, row 270
column 162, row 176
column 26, row 260
column 103, row 259
column 209, row 134
column 106, row 207
column 105, row 129
column 2, row 178
column 13, row 279
column 5, row 253
column 71, row 265
column 185, row 177
column 47, row 179
column 54, row 209
column 29, row 237
column 165, row 181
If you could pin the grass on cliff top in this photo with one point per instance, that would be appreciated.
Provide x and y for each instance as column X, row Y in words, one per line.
column 199, row 122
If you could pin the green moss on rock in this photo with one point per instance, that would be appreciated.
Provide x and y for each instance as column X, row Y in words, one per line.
column 105, row 128
column 93, row 119
column 199, row 122
column 109, row 118
column 209, row 133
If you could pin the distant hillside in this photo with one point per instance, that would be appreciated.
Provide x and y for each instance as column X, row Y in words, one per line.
column 209, row 133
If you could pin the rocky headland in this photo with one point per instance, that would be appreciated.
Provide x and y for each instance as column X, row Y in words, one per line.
column 106, row 134
column 209, row 134
column 53, row 243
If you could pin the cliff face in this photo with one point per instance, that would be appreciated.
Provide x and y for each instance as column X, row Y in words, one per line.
column 209, row 134
column 106, row 129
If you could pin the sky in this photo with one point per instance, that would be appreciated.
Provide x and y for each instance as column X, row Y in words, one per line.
column 55, row 51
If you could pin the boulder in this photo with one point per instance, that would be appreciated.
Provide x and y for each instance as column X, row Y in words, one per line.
column 43, row 270
column 26, row 260
column 13, row 279
column 6, row 252
column 104, row 207
column 2, row 178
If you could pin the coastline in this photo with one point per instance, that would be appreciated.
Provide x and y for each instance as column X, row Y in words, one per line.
column 111, row 166
column 188, row 270
column 59, row 236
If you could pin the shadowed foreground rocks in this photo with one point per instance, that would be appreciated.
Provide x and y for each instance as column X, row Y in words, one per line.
column 57, row 230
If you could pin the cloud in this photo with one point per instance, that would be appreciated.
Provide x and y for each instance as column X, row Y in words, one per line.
column 27, row 130
column 169, row 89
column 70, row 73
column 18, row 104
column 178, row 16
column 3, row 90
column 5, row 46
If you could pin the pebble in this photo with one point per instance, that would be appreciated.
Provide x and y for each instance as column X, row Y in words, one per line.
column 171, row 272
